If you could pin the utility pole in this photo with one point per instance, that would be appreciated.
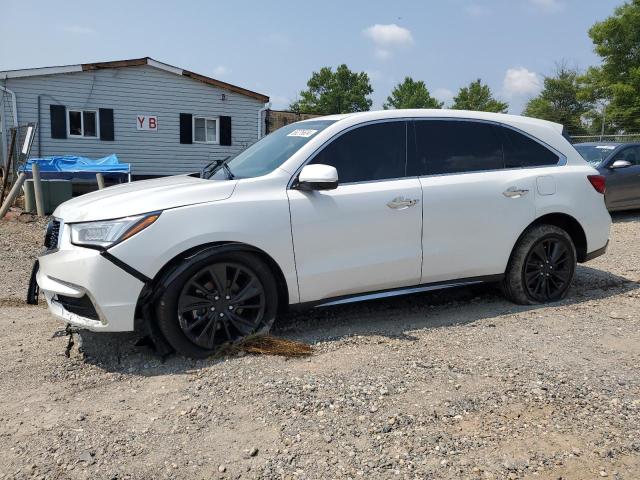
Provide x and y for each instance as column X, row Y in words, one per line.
column 604, row 110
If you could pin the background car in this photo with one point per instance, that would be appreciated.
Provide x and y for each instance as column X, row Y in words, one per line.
column 620, row 164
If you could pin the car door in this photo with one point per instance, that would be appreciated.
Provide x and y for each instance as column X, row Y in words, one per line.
column 623, row 184
column 366, row 234
column 473, row 208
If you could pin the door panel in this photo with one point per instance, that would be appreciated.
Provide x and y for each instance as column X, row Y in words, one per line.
column 349, row 240
column 472, row 221
column 623, row 184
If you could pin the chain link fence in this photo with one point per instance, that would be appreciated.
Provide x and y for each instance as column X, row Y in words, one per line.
column 627, row 137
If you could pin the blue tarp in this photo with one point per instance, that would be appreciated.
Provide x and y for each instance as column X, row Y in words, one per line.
column 70, row 166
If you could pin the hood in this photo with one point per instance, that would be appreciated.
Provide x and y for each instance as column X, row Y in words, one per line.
column 142, row 197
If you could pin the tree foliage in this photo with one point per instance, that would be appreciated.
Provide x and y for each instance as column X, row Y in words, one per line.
column 478, row 97
column 329, row 92
column 617, row 80
column 411, row 94
column 561, row 101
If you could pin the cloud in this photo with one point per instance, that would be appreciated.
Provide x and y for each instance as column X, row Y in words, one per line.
column 548, row 6
column 475, row 10
column 221, row 71
column 443, row 94
column 388, row 38
column 519, row 81
column 77, row 29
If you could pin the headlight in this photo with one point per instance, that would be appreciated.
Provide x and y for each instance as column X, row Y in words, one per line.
column 106, row 233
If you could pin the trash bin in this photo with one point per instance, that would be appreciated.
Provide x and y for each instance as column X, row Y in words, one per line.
column 54, row 192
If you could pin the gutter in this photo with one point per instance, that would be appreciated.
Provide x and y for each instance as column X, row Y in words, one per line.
column 266, row 107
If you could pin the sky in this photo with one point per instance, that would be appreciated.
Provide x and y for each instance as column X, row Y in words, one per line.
column 273, row 46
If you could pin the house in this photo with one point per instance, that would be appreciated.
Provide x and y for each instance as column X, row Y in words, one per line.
column 161, row 119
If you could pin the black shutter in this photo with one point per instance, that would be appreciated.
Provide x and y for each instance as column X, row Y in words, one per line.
column 225, row 130
column 106, row 124
column 58, row 115
column 186, row 128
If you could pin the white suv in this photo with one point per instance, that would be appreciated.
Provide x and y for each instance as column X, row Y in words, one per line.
column 326, row 211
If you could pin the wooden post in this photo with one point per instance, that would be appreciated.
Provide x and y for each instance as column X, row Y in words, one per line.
column 37, row 189
column 100, row 179
column 13, row 194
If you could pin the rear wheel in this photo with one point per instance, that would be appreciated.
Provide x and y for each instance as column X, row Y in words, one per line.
column 217, row 300
column 542, row 266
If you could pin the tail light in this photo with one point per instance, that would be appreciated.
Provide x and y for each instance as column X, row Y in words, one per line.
column 598, row 182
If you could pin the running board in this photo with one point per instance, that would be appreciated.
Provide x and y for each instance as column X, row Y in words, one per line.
column 398, row 292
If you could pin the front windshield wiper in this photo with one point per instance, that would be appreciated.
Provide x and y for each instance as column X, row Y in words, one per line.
column 209, row 170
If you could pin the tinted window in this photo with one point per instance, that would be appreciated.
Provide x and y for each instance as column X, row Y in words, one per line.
column 522, row 151
column 372, row 152
column 452, row 146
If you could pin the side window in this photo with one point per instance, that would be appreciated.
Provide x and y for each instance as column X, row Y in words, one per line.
column 371, row 152
column 521, row 151
column 453, row 146
column 629, row 154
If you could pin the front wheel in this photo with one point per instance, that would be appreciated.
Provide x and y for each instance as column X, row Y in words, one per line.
column 217, row 300
column 542, row 266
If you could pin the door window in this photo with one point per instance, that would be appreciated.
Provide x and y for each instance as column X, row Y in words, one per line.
column 367, row 153
column 630, row 154
column 453, row 146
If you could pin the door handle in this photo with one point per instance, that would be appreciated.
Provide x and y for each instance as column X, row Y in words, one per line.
column 400, row 203
column 515, row 192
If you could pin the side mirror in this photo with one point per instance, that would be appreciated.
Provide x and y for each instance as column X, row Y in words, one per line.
column 318, row 177
column 620, row 164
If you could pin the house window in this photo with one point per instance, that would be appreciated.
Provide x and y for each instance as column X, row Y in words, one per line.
column 82, row 123
column 205, row 130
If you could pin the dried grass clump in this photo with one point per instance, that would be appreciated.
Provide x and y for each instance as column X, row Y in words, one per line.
column 268, row 345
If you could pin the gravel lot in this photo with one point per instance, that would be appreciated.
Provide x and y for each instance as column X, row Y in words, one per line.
column 455, row 384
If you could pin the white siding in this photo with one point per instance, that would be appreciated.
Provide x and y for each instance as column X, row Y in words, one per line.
column 131, row 91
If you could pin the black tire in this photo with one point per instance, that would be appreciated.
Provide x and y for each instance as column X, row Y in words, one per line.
column 542, row 266
column 207, row 319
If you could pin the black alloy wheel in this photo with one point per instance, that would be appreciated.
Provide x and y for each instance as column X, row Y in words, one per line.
column 548, row 269
column 221, row 303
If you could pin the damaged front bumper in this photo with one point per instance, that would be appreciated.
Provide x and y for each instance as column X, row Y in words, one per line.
column 84, row 289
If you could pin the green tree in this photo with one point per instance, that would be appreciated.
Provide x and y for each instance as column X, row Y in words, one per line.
column 328, row 92
column 478, row 97
column 617, row 80
column 562, row 101
column 411, row 94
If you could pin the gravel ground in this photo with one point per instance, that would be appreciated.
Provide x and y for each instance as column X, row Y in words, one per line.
column 455, row 384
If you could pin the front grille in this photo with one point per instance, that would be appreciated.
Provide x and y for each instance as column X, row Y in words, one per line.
column 80, row 306
column 52, row 234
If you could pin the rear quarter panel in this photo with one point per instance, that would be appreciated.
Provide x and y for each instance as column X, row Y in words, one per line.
column 575, row 196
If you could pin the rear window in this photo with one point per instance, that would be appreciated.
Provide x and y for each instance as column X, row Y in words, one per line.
column 521, row 151
column 595, row 154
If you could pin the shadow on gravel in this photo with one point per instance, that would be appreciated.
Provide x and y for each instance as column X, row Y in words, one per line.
column 625, row 217
column 390, row 317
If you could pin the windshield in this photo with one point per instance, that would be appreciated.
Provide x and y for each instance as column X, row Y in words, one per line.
column 270, row 152
column 595, row 154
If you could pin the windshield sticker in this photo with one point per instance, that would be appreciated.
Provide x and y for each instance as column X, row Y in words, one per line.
column 606, row 147
column 302, row 133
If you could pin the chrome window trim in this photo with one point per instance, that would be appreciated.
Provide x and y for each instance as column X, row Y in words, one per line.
column 562, row 159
